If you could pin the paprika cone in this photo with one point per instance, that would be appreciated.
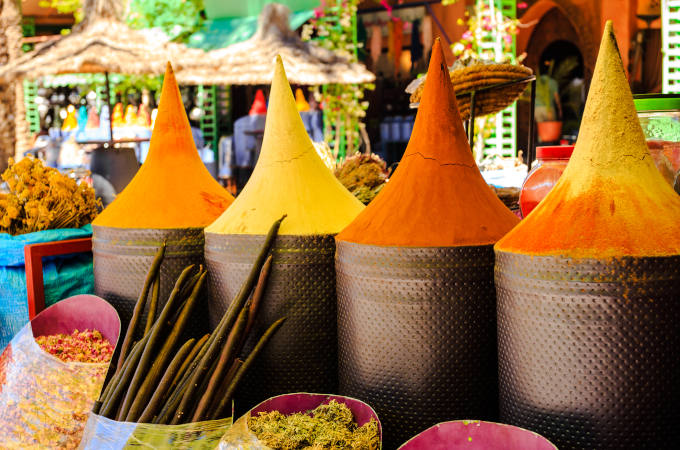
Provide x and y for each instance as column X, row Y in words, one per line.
column 416, row 300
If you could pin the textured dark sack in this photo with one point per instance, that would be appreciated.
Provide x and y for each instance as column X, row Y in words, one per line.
column 302, row 356
column 588, row 349
column 122, row 257
column 417, row 334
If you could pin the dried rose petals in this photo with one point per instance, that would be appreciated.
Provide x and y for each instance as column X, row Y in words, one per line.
column 44, row 401
column 87, row 346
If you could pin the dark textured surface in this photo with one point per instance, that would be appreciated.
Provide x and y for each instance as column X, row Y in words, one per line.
column 302, row 356
column 417, row 334
column 123, row 256
column 588, row 349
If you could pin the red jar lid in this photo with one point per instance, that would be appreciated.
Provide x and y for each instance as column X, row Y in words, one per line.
column 554, row 152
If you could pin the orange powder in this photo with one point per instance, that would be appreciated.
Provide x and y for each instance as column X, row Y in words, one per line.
column 172, row 189
column 611, row 200
column 436, row 197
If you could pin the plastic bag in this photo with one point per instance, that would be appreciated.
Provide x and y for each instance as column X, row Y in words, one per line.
column 477, row 435
column 239, row 436
column 45, row 402
column 102, row 433
column 63, row 276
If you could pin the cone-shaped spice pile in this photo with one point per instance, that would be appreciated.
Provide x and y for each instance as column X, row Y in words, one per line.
column 289, row 178
column 170, row 199
column 437, row 196
column 588, row 288
column 416, row 301
column 172, row 189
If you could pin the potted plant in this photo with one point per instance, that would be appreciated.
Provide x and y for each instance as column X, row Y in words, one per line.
column 548, row 110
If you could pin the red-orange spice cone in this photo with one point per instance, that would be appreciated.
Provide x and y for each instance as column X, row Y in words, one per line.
column 416, row 300
column 171, row 198
column 588, row 289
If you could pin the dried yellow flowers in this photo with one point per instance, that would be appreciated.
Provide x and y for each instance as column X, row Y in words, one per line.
column 328, row 426
column 41, row 198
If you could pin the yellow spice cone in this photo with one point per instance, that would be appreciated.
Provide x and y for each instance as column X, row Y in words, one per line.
column 611, row 199
column 289, row 178
column 172, row 189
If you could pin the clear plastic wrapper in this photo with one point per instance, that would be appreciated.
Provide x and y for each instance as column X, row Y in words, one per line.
column 106, row 434
column 239, row 436
column 45, row 402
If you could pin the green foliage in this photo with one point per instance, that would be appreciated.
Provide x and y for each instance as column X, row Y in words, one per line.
column 334, row 28
column 65, row 7
column 177, row 18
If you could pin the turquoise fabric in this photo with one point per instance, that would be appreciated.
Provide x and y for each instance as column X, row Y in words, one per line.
column 63, row 276
column 215, row 9
column 219, row 33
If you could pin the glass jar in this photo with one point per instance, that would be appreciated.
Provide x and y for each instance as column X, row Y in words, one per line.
column 659, row 116
column 550, row 163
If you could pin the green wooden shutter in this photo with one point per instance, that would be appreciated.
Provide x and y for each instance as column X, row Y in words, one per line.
column 670, row 35
column 30, row 87
column 503, row 139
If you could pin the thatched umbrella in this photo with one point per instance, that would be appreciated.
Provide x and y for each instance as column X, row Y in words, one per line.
column 253, row 61
column 103, row 43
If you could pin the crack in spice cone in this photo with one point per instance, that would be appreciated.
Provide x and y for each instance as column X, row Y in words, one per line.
column 588, row 289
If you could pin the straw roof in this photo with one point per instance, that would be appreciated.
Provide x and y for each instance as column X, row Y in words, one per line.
column 102, row 43
column 253, row 61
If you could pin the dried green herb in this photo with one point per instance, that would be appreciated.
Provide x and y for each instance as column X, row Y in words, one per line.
column 330, row 426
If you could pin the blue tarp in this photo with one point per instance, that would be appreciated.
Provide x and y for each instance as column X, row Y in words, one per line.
column 63, row 276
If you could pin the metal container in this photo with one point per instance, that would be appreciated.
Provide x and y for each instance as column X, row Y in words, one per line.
column 588, row 349
column 122, row 257
column 417, row 334
column 302, row 356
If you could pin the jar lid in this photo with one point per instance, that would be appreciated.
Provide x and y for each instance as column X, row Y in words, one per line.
column 554, row 151
column 656, row 102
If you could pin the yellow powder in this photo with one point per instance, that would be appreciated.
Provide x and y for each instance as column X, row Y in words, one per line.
column 611, row 200
column 289, row 178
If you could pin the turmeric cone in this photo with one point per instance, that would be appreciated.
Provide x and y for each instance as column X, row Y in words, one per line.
column 588, row 289
column 290, row 178
column 416, row 300
column 170, row 199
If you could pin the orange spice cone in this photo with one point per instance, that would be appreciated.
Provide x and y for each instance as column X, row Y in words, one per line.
column 289, row 178
column 171, row 199
column 437, row 196
column 588, row 288
column 416, row 300
column 172, row 189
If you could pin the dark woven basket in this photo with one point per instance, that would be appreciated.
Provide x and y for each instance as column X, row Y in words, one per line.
column 302, row 356
column 122, row 257
column 588, row 349
column 417, row 334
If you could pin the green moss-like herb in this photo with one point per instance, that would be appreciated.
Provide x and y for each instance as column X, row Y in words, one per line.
column 330, row 426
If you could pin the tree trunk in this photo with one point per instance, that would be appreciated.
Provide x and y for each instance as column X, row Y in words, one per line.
column 14, row 132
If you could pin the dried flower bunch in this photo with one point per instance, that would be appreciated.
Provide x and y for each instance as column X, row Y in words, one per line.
column 41, row 198
column 363, row 175
column 328, row 426
column 87, row 346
